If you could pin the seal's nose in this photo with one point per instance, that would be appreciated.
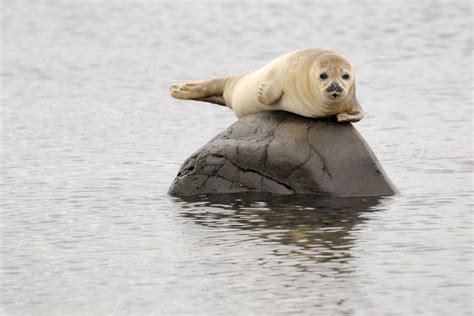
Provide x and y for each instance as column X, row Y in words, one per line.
column 334, row 86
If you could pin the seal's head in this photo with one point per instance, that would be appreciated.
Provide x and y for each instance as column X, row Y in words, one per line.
column 334, row 77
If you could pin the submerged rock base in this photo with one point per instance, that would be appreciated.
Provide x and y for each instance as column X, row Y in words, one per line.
column 282, row 153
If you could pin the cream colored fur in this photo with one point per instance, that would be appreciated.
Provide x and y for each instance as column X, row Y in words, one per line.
column 290, row 83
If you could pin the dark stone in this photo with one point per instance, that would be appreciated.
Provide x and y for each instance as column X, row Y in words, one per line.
column 282, row 153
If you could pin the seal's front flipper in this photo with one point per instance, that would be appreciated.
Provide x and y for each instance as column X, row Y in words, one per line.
column 269, row 92
column 354, row 112
column 345, row 117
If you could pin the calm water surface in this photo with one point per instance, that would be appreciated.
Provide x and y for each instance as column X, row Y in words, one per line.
column 90, row 142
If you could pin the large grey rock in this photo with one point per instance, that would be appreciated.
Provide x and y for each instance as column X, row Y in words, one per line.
column 279, row 152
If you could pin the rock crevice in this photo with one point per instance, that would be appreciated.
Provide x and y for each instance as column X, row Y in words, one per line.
column 264, row 176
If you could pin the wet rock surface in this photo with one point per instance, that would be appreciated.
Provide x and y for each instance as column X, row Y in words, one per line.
column 282, row 153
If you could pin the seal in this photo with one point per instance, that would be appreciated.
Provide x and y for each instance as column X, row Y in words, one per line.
column 310, row 82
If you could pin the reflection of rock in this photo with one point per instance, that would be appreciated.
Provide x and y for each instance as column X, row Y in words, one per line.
column 319, row 227
column 283, row 153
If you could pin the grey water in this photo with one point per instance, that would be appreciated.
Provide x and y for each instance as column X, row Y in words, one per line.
column 90, row 141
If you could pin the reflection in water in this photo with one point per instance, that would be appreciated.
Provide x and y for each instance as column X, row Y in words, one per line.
column 313, row 229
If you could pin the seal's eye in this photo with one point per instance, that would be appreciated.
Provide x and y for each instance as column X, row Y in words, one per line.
column 345, row 76
column 323, row 76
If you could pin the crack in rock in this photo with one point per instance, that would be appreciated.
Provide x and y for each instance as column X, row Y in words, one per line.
column 309, row 155
column 287, row 186
column 272, row 136
column 312, row 149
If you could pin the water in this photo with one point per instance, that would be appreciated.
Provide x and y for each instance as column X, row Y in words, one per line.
column 91, row 142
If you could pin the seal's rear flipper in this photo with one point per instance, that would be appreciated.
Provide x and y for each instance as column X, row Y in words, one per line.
column 188, row 90
column 200, row 90
column 213, row 99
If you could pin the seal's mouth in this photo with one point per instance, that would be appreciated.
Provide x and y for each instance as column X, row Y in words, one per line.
column 334, row 96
